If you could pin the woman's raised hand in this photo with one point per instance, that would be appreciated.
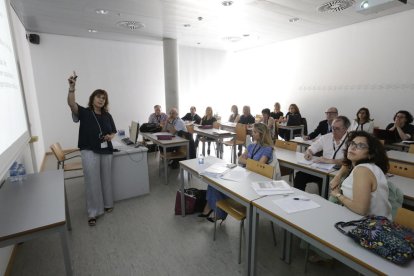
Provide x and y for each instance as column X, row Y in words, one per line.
column 72, row 80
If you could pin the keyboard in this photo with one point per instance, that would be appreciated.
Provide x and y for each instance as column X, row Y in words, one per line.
column 127, row 141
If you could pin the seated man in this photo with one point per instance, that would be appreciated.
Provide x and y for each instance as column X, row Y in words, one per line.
column 173, row 125
column 332, row 144
column 192, row 116
column 324, row 126
column 157, row 117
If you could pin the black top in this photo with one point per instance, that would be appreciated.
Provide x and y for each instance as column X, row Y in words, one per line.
column 89, row 131
column 206, row 122
column 294, row 119
column 190, row 117
column 322, row 129
column 408, row 128
column 276, row 115
column 249, row 119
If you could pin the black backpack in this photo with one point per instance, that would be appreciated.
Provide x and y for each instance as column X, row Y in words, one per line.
column 150, row 127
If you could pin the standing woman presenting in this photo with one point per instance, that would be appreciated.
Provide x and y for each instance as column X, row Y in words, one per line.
column 96, row 131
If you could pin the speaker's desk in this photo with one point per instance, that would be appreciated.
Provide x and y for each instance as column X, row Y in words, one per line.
column 129, row 171
column 33, row 208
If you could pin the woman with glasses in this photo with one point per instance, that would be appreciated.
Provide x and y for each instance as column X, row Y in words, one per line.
column 402, row 127
column 365, row 189
column 261, row 150
column 96, row 130
column 362, row 121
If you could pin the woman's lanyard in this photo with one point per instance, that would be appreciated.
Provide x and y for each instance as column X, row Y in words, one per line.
column 158, row 118
column 100, row 129
column 255, row 151
column 337, row 149
column 362, row 126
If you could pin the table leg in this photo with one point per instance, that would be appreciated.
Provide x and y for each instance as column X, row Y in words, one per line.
column 324, row 188
column 68, row 221
column 249, row 230
column 65, row 249
column 234, row 152
column 182, row 193
column 253, row 248
column 164, row 149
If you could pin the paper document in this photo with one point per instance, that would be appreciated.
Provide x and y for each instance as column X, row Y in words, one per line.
column 162, row 133
column 300, row 158
column 237, row 174
column 215, row 170
column 293, row 204
column 272, row 187
column 323, row 166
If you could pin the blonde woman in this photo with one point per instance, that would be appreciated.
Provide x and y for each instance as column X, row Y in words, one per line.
column 208, row 119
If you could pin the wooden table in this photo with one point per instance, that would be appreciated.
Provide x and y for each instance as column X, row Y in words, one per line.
column 401, row 156
column 292, row 129
column 33, row 208
column 164, row 144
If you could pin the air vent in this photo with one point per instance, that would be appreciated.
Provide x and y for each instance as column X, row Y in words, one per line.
column 336, row 5
column 232, row 38
column 131, row 25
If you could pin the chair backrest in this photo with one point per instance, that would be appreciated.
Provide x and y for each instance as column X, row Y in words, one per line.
column 58, row 152
column 190, row 128
column 241, row 132
column 216, row 125
column 277, row 174
column 402, row 169
column 405, row 217
column 411, row 148
column 286, row 145
column 305, row 126
column 257, row 167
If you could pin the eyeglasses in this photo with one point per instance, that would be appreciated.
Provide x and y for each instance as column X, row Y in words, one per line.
column 359, row 146
column 330, row 112
column 400, row 116
column 337, row 128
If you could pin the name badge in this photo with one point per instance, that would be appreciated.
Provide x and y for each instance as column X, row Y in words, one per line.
column 104, row 145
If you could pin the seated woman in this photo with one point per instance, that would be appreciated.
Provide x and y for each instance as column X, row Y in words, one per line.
column 293, row 118
column 261, row 150
column 402, row 128
column 363, row 121
column 235, row 116
column 276, row 114
column 269, row 121
column 207, row 120
column 365, row 190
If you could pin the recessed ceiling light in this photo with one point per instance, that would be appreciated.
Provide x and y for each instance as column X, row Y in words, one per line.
column 200, row 18
column 132, row 25
column 364, row 5
column 246, row 35
column 102, row 11
column 293, row 19
column 92, row 31
column 187, row 25
column 227, row 3
column 232, row 38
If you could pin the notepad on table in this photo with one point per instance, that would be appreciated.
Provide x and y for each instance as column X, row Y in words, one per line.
column 215, row 170
column 272, row 187
column 293, row 204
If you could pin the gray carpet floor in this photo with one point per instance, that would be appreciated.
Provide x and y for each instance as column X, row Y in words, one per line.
column 142, row 236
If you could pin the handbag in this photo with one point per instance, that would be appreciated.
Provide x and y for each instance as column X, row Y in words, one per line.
column 195, row 201
column 390, row 240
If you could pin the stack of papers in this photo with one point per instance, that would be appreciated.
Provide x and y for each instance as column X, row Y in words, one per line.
column 215, row 170
column 295, row 204
column 300, row 158
column 272, row 187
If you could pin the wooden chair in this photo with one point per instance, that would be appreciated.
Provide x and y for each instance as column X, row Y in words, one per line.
column 292, row 146
column 241, row 133
column 405, row 217
column 190, row 128
column 62, row 158
column 402, row 169
column 236, row 210
column 411, row 148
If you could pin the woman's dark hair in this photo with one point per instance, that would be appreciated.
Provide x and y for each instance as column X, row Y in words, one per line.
column 99, row 92
column 366, row 111
column 236, row 109
column 295, row 107
column 266, row 111
column 407, row 115
column 376, row 151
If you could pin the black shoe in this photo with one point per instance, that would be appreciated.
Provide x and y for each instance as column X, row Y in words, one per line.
column 208, row 152
column 210, row 219
column 175, row 165
column 205, row 215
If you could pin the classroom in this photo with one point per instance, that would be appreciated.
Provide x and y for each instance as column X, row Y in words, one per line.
column 349, row 63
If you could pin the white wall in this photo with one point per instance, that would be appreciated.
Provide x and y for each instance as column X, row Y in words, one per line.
column 131, row 73
column 367, row 64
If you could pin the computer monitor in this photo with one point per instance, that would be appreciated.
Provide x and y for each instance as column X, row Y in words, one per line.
column 134, row 132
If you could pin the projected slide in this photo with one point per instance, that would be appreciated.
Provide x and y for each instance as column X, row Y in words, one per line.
column 12, row 114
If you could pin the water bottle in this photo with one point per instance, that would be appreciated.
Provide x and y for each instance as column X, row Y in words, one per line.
column 21, row 173
column 201, row 159
column 13, row 172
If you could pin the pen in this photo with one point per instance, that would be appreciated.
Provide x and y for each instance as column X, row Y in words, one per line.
column 298, row 198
